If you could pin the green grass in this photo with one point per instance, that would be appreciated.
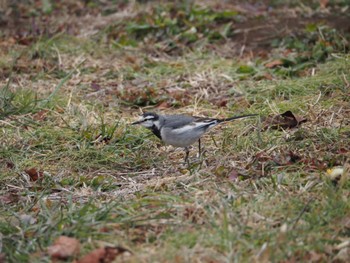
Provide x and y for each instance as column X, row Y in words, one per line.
column 80, row 154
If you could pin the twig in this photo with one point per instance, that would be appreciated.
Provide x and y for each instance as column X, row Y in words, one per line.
column 302, row 212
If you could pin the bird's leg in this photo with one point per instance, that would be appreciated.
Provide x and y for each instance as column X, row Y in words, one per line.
column 199, row 148
column 187, row 151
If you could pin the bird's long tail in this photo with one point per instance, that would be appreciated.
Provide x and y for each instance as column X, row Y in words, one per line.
column 237, row 117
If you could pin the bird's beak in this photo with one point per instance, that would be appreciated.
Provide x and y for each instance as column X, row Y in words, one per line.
column 136, row 122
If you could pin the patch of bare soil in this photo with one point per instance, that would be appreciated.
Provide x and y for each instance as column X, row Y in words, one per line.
column 258, row 23
column 255, row 34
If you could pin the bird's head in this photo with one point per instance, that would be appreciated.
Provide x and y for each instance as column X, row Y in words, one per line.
column 147, row 119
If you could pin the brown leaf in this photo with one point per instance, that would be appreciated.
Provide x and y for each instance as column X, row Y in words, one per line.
column 2, row 258
column 286, row 158
column 25, row 40
column 283, row 121
column 130, row 59
column 265, row 75
column 106, row 255
column 316, row 257
column 40, row 115
column 233, row 176
column 9, row 198
column 274, row 63
column 323, row 3
column 345, row 222
column 10, row 165
column 221, row 101
column 343, row 150
column 95, row 86
column 194, row 214
column 59, row 109
column 34, row 174
column 64, row 248
column 164, row 105
column 343, row 255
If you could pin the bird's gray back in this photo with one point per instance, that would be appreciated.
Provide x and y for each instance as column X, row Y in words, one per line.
column 176, row 121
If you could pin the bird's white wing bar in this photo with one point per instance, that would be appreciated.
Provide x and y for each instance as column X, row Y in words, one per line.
column 195, row 125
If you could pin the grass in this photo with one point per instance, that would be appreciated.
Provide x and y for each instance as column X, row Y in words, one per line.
column 254, row 196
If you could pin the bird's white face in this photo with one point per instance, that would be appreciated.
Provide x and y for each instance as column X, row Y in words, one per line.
column 147, row 121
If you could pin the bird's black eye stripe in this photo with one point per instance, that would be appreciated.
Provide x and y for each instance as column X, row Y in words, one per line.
column 143, row 120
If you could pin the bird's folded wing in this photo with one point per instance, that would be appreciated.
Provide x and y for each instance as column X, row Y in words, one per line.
column 177, row 121
column 196, row 126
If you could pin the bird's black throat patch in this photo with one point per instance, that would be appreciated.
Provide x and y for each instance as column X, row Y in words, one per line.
column 156, row 131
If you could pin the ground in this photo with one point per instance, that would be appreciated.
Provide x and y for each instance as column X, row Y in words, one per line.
column 75, row 74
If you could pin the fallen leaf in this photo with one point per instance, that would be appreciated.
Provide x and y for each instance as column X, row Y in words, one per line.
column 25, row 40
column 130, row 59
column 263, row 76
column 323, row 3
column 274, row 63
column 7, row 163
column 10, row 165
column 2, row 258
column 233, row 176
column 40, row 115
column 163, row 105
column 60, row 109
column 286, row 158
column 9, row 198
column 34, row 174
column 221, row 101
column 194, row 214
column 106, row 255
column 343, row 255
column 104, row 229
column 343, row 150
column 283, row 121
column 316, row 257
column 64, row 248
column 95, row 86
column 346, row 222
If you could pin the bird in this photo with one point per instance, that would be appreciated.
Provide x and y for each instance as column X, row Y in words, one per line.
column 181, row 130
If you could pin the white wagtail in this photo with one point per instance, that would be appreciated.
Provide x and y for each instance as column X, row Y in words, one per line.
column 181, row 130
